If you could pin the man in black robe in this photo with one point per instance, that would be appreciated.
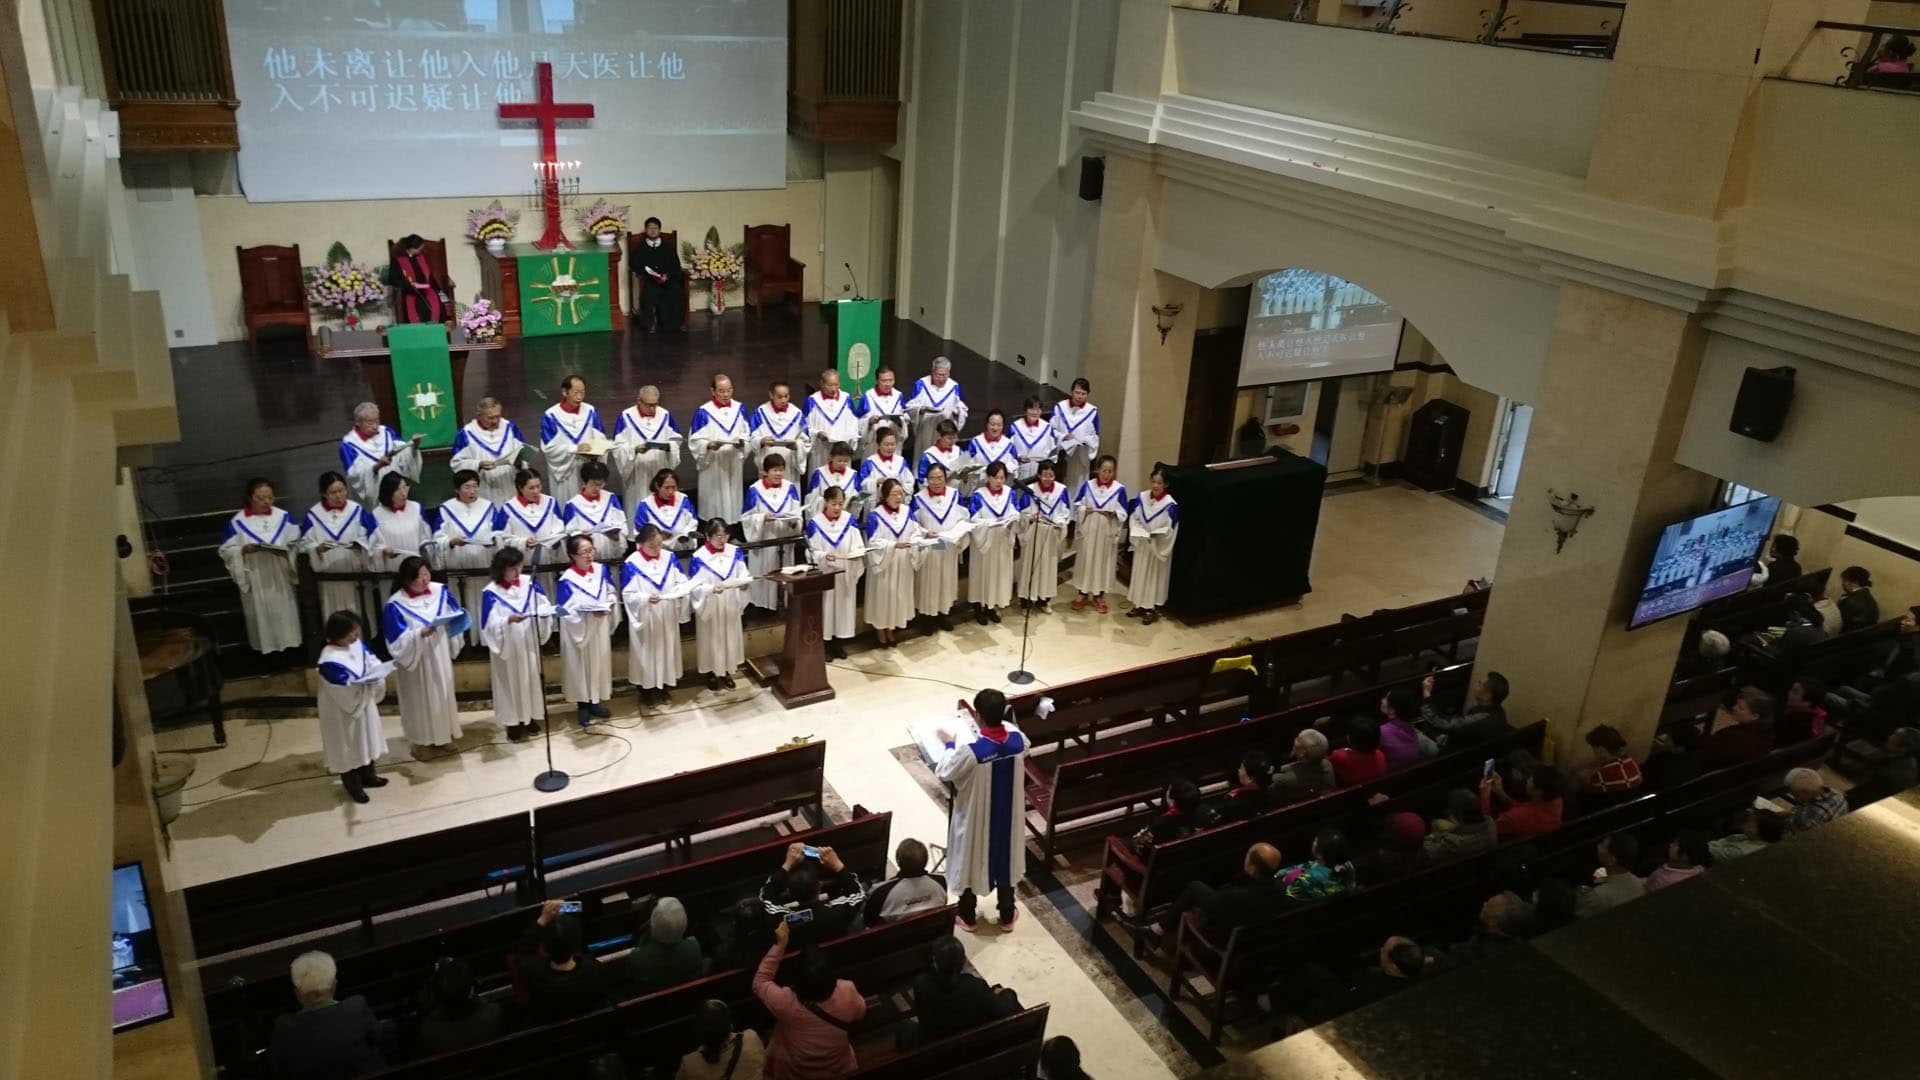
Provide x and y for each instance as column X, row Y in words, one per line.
column 662, row 303
column 418, row 296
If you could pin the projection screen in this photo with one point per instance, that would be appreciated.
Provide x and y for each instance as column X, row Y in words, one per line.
column 1305, row 324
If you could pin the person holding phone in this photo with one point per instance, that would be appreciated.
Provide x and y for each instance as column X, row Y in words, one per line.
column 813, row 893
column 812, row 1019
column 562, row 979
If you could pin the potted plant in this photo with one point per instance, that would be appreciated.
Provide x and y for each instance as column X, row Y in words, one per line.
column 605, row 222
column 481, row 321
column 492, row 225
column 716, row 264
column 344, row 286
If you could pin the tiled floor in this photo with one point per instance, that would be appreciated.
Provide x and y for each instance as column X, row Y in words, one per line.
column 263, row 801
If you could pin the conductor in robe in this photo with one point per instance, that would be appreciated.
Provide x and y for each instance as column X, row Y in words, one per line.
column 419, row 296
column 663, row 282
column 986, row 830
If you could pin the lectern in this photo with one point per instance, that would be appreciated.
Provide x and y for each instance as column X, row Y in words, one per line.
column 799, row 674
column 853, row 330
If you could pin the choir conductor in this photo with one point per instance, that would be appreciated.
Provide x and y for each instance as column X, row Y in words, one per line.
column 986, row 832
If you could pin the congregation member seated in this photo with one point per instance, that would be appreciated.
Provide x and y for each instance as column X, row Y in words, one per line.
column 811, row 1040
column 1327, row 874
column 1360, row 761
column 1400, row 741
column 1251, row 791
column 327, row 1039
column 949, row 999
column 1804, row 626
column 1316, row 993
column 720, row 1052
column 1614, row 883
column 1485, row 716
column 1784, row 562
column 1757, row 832
column 1858, row 609
column 1397, row 851
column 1307, row 775
column 819, row 884
column 1555, row 904
column 1741, row 732
column 562, row 980
column 456, row 1016
column 1060, row 1060
column 1466, row 830
column 1242, row 900
column 1893, row 683
column 1179, row 811
column 1505, row 921
column 1805, row 715
column 1613, row 771
column 1687, row 858
column 907, row 891
column 1895, row 769
column 1537, row 813
column 663, row 954
column 1813, row 802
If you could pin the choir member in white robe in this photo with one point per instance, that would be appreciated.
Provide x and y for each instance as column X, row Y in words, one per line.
column 335, row 539
column 1100, row 522
column 418, row 618
column 837, row 472
column 835, row 543
column 569, row 429
column 257, row 547
column 352, row 682
column 986, row 828
column 1032, row 441
column 491, row 447
column 933, row 398
column 531, row 521
column 941, row 514
column 596, row 513
column 945, row 452
column 670, row 510
column 778, row 426
column 988, row 448
column 887, row 463
column 400, row 525
column 1152, row 528
column 718, row 571
column 772, row 511
column 589, row 605
column 645, row 440
column 370, row 451
column 717, row 440
column 882, row 405
column 464, row 540
column 831, row 419
column 892, row 558
column 994, row 510
column 1076, row 433
column 654, row 615
column 516, row 618
column 1043, row 536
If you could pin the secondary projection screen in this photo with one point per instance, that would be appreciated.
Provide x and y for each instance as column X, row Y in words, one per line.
column 1304, row 324
column 370, row 99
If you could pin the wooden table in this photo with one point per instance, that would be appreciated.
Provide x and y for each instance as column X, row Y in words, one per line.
column 181, row 670
column 376, row 362
column 798, row 675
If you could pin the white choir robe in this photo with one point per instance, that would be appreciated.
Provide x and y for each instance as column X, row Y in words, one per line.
column 637, row 455
column 878, row 410
column 429, row 714
column 604, row 519
column 771, row 513
column 336, row 543
column 513, row 648
column 982, row 452
column 829, row 422
column 352, row 682
column 986, row 828
column 937, row 585
column 1152, row 528
column 877, row 468
column 990, row 570
column 824, row 478
column 266, row 578
column 472, row 524
column 719, row 642
column 560, row 434
column 1076, row 435
column 495, row 455
column 890, row 568
column 677, row 517
column 788, row 430
column 360, row 460
column 841, row 540
column 1031, row 446
column 534, row 528
column 653, row 629
column 403, row 532
column 1100, row 517
column 951, row 460
column 938, row 403
column 590, row 609
column 1043, row 533
column 717, row 442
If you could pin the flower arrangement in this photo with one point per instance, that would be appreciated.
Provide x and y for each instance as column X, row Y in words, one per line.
column 344, row 285
column 604, row 219
column 716, row 264
column 492, row 224
column 481, row 321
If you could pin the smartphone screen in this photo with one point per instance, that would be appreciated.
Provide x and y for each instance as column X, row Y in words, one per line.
column 799, row 918
column 809, row 851
column 1486, row 771
column 570, row 907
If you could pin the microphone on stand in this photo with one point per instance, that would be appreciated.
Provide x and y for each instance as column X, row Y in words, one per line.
column 855, row 278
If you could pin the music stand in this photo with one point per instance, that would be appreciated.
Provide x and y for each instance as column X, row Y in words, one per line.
column 553, row 779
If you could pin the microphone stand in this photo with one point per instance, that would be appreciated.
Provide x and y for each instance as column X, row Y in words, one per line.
column 553, row 779
column 1020, row 676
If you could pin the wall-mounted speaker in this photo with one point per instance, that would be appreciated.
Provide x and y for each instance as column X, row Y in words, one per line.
column 1093, row 176
column 1760, row 409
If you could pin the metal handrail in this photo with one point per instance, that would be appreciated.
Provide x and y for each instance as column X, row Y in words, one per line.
column 1860, row 61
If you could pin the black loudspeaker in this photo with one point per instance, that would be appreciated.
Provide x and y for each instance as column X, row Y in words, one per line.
column 1093, row 176
column 1760, row 410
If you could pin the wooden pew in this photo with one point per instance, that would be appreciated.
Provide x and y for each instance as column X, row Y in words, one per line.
column 673, row 809
column 1008, row 1047
column 1083, row 709
column 1743, row 611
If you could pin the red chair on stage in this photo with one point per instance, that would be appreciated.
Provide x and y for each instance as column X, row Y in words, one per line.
column 771, row 270
column 273, row 289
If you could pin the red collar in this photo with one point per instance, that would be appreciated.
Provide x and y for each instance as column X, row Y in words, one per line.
column 988, row 437
column 364, row 438
column 569, row 408
column 885, row 457
column 768, row 484
column 401, row 510
column 248, row 511
column 943, row 449
column 718, row 405
column 424, row 591
column 643, row 554
column 1044, row 486
column 989, row 489
column 333, row 509
column 936, row 494
column 577, row 572
column 590, row 496
column 644, row 410
column 779, row 408
column 484, row 427
column 522, row 500
column 824, row 396
column 876, row 392
column 658, row 501
column 830, row 515
column 717, row 550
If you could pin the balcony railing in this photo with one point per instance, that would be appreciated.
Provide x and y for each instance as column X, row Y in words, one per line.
column 168, row 73
column 1880, row 57
column 1514, row 24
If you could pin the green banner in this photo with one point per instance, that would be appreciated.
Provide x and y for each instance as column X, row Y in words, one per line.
column 564, row 292
column 423, row 382
column 856, row 341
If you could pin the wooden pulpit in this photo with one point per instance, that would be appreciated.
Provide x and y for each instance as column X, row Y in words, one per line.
column 798, row 675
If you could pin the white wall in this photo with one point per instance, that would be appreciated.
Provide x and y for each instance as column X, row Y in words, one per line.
column 164, row 219
column 996, row 245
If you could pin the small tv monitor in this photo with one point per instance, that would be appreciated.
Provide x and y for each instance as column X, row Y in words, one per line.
column 1702, row 559
column 140, row 993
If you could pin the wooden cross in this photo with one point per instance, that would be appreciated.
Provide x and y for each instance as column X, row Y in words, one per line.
column 547, row 113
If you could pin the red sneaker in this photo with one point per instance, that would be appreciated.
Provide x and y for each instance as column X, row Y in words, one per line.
column 969, row 925
column 1080, row 602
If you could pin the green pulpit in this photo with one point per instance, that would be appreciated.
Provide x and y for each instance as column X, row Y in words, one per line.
column 423, row 385
column 564, row 292
column 853, row 328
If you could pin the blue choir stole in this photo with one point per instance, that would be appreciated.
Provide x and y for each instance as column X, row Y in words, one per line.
column 556, row 421
column 436, row 607
column 475, row 434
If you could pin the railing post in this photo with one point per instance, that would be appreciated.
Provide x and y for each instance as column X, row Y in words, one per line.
column 1498, row 16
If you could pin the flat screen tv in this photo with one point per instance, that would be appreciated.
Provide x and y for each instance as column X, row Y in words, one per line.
column 139, row 979
column 1702, row 559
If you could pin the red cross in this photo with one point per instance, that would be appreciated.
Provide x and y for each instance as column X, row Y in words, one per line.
column 546, row 112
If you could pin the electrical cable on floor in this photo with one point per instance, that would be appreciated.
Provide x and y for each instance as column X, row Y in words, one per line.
column 844, row 666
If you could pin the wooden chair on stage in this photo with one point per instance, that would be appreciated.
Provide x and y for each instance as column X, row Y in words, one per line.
column 273, row 290
column 641, row 282
column 771, row 270
column 436, row 255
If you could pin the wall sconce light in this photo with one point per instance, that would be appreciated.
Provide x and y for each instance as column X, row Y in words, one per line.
column 1163, row 315
column 1568, row 513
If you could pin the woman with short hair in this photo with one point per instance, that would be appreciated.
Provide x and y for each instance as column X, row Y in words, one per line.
column 257, row 548
column 720, row 576
column 419, row 619
column 590, row 608
column 516, row 618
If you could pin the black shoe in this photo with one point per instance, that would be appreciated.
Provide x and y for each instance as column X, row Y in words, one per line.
column 1151, row 616
column 713, row 683
column 994, row 614
column 1134, row 613
column 351, row 781
column 943, row 621
column 727, row 681
column 980, row 615
column 370, row 777
column 1042, row 607
column 836, row 651
column 584, row 714
column 519, row 732
column 599, row 712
